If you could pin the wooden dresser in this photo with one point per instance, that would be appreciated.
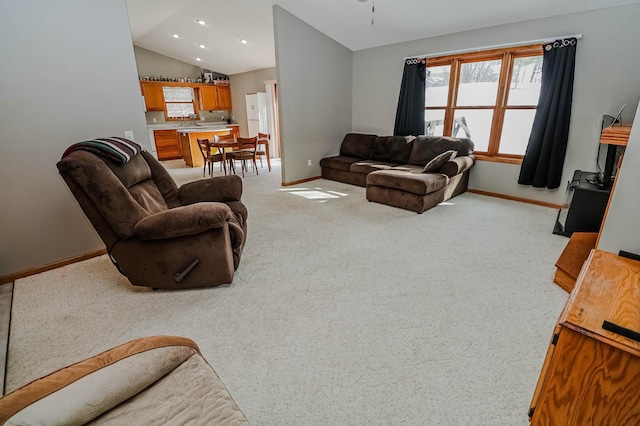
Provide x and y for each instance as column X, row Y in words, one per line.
column 591, row 376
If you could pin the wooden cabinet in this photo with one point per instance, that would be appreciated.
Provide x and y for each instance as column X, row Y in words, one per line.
column 572, row 258
column 224, row 97
column 215, row 98
column 592, row 375
column 209, row 98
column 153, row 96
column 167, row 144
column 234, row 130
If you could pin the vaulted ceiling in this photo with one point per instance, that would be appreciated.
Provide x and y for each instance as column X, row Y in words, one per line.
column 349, row 22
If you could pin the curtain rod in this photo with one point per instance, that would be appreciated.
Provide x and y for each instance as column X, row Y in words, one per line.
column 496, row 46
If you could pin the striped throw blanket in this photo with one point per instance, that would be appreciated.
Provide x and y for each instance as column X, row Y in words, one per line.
column 118, row 150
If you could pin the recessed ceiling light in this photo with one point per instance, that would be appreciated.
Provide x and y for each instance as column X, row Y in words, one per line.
column 201, row 22
column 199, row 59
column 243, row 41
column 202, row 46
column 174, row 35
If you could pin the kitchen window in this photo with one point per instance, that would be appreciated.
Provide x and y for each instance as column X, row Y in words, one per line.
column 489, row 97
column 180, row 103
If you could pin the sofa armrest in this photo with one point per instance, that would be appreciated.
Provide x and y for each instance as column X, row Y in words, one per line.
column 83, row 391
column 457, row 165
column 220, row 189
column 181, row 221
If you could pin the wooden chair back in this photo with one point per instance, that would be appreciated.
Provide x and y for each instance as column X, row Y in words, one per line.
column 226, row 138
column 205, row 149
column 247, row 144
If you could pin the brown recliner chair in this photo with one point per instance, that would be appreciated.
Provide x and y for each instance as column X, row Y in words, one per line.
column 159, row 235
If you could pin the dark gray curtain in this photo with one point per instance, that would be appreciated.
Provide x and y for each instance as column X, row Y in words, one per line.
column 410, row 112
column 544, row 158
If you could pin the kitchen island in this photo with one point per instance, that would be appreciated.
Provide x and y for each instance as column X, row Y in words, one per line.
column 188, row 138
column 167, row 139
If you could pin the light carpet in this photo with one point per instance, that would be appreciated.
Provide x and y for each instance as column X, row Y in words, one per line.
column 343, row 312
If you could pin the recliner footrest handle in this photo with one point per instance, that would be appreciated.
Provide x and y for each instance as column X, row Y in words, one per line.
column 180, row 275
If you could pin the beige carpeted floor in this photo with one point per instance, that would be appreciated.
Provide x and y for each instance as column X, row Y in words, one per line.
column 343, row 312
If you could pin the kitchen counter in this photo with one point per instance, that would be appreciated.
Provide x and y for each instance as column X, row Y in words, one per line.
column 202, row 125
column 201, row 129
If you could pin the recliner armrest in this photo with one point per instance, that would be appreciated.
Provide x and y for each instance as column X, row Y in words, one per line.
column 219, row 189
column 457, row 165
column 181, row 221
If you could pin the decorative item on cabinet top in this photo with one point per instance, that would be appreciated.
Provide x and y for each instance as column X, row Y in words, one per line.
column 205, row 78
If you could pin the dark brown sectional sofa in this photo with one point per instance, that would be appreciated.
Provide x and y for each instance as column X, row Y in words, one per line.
column 391, row 168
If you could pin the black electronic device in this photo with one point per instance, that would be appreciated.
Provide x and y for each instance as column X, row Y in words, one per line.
column 605, row 171
column 584, row 207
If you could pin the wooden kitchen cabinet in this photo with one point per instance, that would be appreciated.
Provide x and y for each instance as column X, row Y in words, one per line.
column 224, row 97
column 167, row 144
column 234, row 130
column 153, row 96
column 591, row 376
column 209, row 98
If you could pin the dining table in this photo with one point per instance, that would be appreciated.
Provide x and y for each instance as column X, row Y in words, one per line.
column 222, row 147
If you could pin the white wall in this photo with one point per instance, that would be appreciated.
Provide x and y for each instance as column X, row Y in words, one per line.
column 621, row 229
column 607, row 75
column 67, row 74
column 315, row 87
column 152, row 64
column 241, row 84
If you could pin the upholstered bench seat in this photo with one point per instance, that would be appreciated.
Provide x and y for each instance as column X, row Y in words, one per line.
column 404, row 188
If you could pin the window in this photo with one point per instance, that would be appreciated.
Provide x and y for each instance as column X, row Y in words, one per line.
column 179, row 103
column 489, row 97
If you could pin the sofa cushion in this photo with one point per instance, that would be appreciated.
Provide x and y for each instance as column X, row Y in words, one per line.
column 357, row 145
column 85, row 390
column 134, row 171
column 408, row 168
column 425, row 148
column 369, row 166
column 148, row 196
column 153, row 380
column 438, row 161
column 192, row 394
column 339, row 162
column 392, row 149
column 416, row 183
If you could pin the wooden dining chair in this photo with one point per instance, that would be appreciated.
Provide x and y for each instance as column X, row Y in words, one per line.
column 230, row 138
column 227, row 138
column 209, row 157
column 263, row 140
column 246, row 152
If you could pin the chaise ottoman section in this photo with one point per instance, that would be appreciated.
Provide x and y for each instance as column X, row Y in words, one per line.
column 401, row 188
